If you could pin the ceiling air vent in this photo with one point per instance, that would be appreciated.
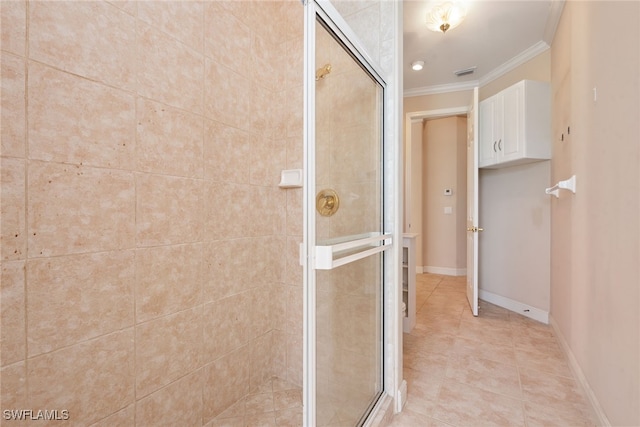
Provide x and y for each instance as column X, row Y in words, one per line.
column 465, row 72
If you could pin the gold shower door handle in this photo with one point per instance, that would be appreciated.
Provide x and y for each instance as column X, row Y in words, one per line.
column 327, row 202
column 475, row 229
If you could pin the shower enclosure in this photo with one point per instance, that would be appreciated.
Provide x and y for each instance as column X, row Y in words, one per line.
column 346, row 247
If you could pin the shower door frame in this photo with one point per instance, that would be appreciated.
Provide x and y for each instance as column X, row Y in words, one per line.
column 393, row 388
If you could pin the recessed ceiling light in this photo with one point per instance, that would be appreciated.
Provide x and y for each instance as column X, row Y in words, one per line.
column 417, row 65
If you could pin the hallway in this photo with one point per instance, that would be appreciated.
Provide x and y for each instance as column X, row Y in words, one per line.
column 497, row 369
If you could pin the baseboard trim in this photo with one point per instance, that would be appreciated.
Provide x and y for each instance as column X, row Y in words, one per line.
column 598, row 412
column 515, row 306
column 445, row 271
column 401, row 397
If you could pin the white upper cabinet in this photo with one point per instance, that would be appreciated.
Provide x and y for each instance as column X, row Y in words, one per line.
column 515, row 125
column 490, row 124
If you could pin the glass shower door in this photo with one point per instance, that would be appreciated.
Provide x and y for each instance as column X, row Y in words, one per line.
column 350, row 243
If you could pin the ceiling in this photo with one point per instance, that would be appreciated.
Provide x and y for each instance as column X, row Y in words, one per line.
column 496, row 36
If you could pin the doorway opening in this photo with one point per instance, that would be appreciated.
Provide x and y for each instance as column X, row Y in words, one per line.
column 428, row 176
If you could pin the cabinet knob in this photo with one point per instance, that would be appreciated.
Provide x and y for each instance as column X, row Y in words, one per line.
column 494, row 146
column 500, row 144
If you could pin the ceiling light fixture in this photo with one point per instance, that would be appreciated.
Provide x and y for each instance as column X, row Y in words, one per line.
column 445, row 16
column 417, row 65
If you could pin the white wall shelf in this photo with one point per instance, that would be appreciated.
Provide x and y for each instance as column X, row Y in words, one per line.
column 409, row 281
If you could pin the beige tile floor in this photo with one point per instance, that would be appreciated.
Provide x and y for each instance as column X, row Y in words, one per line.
column 497, row 369
column 276, row 403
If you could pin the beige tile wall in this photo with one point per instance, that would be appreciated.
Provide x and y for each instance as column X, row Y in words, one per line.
column 149, row 261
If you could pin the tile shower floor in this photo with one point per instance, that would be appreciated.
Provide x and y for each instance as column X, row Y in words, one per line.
column 497, row 369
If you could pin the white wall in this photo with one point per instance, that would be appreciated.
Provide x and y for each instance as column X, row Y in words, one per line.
column 514, row 247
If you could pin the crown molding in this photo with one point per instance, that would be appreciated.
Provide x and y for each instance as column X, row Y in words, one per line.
column 552, row 21
column 514, row 62
column 501, row 70
column 432, row 90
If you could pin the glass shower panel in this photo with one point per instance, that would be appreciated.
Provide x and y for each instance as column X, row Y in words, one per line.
column 348, row 208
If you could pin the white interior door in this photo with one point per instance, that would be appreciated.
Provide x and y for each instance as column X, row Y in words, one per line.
column 472, row 204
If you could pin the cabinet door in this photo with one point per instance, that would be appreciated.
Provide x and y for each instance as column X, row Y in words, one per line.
column 489, row 122
column 511, row 143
